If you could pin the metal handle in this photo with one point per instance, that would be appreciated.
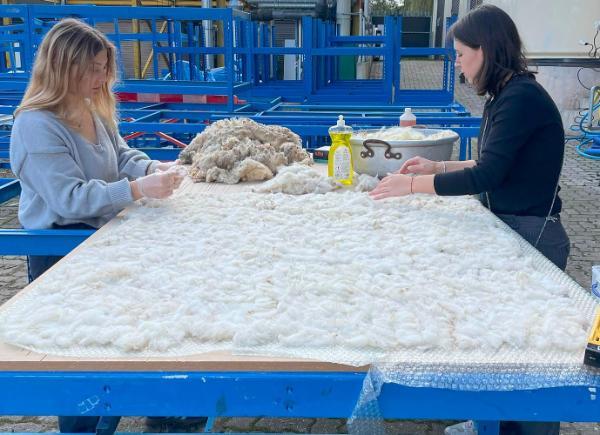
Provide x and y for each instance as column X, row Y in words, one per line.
column 388, row 151
column 369, row 152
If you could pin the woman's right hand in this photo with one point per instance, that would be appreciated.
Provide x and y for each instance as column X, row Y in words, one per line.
column 420, row 166
column 158, row 185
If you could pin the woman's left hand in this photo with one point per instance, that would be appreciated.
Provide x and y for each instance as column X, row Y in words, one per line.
column 392, row 185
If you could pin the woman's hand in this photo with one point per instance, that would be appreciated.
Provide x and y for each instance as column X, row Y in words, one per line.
column 420, row 166
column 158, row 185
column 392, row 185
column 165, row 166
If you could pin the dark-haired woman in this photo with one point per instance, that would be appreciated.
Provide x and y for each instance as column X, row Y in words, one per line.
column 520, row 149
column 521, row 141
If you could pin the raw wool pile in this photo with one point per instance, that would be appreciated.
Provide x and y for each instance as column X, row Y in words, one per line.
column 299, row 179
column 414, row 277
column 239, row 149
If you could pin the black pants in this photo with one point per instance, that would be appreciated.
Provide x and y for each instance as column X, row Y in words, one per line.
column 38, row 264
column 554, row 244
column 99, row 425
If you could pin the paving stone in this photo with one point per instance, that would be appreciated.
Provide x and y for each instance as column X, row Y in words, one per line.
column 22, row 427
column 329, row 426
column 284, row 425
column 407, row 427
column 235, row 424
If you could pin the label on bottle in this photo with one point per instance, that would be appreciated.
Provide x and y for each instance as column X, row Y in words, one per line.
column 341, row 164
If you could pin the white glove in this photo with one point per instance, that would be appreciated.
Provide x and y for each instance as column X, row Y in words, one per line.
column 180, row 171
column 165, row 166
column 159, row 184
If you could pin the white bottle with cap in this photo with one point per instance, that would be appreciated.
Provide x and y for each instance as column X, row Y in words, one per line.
column 408, row 119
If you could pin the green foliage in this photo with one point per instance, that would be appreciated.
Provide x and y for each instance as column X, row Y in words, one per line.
column 402, row 7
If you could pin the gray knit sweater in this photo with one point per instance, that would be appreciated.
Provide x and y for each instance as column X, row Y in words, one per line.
column 65, row 179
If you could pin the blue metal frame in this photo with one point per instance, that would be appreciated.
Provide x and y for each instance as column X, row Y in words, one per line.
column 245, row 61
column 274, row 394
column 41, row 242
column 180, row 44
column 9, row 188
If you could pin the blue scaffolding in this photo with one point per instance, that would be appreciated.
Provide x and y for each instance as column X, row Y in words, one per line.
column 249, row 51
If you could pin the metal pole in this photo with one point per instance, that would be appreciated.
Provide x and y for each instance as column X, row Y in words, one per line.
column 137, row 53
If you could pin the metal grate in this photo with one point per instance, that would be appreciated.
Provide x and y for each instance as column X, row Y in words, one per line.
column 455, row 6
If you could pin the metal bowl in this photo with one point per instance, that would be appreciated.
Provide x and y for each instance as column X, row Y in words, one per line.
column 379, row 157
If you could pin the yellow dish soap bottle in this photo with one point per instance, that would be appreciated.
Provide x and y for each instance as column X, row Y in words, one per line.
column 339, row 163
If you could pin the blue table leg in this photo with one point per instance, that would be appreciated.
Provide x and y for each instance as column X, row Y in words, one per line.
column 487, row 427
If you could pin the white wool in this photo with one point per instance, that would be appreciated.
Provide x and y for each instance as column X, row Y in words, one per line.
column 300, row 179
column 442, row 134
column 394, row 133
column 402, row 133
column 331, row 271
column 297, row 179
column 365, row 183
column 239, row 149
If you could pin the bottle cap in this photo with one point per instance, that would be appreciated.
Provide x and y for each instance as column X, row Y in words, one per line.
column 341, row 122
column 408, row 110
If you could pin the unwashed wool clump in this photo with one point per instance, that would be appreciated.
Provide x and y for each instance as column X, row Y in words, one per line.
column 239, row 149
column 297, row 179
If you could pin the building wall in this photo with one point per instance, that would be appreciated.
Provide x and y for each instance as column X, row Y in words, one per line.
column 553, row 28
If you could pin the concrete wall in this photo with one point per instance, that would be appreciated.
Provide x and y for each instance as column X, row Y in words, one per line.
column 562, row 85
column 553, row 28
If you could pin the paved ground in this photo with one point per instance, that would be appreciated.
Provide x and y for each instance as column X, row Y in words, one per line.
column 581, row 197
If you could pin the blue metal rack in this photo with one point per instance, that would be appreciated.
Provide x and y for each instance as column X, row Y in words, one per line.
column 321, row 82
column 249, row 51
column 275, row 394
column 180, row 44
column 250, row 70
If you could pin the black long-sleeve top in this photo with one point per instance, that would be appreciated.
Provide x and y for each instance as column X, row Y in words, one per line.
column 520, row 150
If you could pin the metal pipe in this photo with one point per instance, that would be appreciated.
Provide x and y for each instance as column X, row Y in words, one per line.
column 342, row 17
column 208, row 35
column 220, row 61
column 590, row 124
column 137, row 52
column 151, row 55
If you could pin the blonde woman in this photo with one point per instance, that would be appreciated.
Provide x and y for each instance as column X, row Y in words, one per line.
column 75, row 169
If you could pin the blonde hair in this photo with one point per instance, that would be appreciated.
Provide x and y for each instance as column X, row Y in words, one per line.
column 62, row 59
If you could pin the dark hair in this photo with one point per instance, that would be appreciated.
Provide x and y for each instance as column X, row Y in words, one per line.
column 490, row 28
